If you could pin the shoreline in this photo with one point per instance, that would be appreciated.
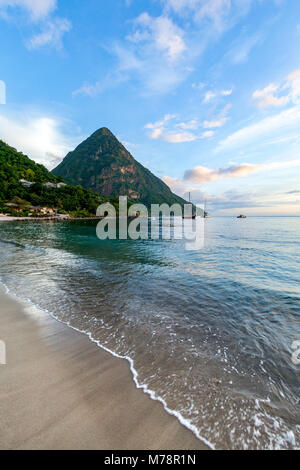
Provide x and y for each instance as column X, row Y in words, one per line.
column 62, row 391
column 49, row 219
column 36, row 219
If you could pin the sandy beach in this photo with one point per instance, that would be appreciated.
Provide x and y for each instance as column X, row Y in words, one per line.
column 61, row 391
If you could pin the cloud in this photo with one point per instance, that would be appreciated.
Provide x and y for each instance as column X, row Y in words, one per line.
column 155, row 57
column 264, row 128
column 213, row 124
column 37, row 9
column 176, row 184
column 293, row 85
column 230, row 199
column 219, row 14
column 218, row 121
column 256, row 203
column 52, row 34
column 266, row 97
column 279, row 95
column 182, row 189
column 215, row 11
column 232, row 202
column 226, row 92
column 158, row 131
column 209, row 95
column 212, row 95
column 163, row 49
column 160, row 54
column 160, row 33
column 40, row 13
column 201, row 174
column 206, row 134
column 190, row 125
column 161, row 130
column 40, row 137
column 178, row 137
column 172, row 136
column 295, row 191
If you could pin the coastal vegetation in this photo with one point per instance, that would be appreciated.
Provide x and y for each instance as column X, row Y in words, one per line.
column 22, row 199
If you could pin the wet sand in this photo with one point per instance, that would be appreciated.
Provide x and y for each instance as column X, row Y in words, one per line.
column 59, row 390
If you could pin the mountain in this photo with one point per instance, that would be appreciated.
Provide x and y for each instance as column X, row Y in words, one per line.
column 103, row 164
column 14, row 166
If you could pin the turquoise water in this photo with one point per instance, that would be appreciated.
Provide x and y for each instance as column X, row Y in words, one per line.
column 209, row 332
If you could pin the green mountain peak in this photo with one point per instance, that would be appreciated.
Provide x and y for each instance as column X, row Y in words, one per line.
column 103, row 164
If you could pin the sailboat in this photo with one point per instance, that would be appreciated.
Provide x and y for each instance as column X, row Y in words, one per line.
column 194, row 215
column 206, row 214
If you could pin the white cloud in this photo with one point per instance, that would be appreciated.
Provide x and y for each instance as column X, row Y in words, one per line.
column 172, row 136
column 213, row 95
column 178, row 137
column 52, row 34
column 41, row 138
column 189, row 125
column 266, row 127
column 207, row 134
column 214, row 10
column 40, row 12
column 164, row 51
column 176, row 184
column 161, row 33
column 226, row 92
column 37, row 9
column 163, row 131
column 153, row 58
column 266, row 97
column 293, row 84
column 279, row 95
column 221, row 14
column 209, row 96
column 216, row 123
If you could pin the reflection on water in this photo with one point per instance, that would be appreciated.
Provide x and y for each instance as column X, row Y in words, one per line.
column 210, row 331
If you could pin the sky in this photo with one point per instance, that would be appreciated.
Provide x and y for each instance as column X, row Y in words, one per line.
column 204, row 93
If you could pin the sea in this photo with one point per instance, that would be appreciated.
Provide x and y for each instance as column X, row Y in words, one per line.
column 211, row 333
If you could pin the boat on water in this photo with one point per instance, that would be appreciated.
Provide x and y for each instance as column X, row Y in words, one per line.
column 194, row 215
column 205, row 214
column 241, row 217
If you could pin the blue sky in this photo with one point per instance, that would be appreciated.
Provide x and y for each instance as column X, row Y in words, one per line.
column 205, row 93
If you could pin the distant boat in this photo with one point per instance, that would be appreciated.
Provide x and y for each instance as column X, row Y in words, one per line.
column 194, row 215
column 205, row 214
column 241, row 217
